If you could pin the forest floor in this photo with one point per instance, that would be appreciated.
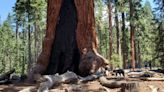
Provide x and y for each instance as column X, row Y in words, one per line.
column 91, row 86
column 94, row 86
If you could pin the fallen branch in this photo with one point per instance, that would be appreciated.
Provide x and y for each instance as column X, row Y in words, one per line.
column 51, row 80
column 152, row 79
column 111, row 83
column 91, row 77
column 126, row 86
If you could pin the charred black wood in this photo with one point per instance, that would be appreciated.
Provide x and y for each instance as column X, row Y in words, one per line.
column 65, row 54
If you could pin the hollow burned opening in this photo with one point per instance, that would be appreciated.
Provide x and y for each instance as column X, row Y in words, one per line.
column 65, row 54
column 70, row 42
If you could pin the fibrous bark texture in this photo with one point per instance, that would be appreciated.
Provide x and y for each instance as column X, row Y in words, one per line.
column 65, row 55
column 52, row 17
column 86, row 35
column 70, row 38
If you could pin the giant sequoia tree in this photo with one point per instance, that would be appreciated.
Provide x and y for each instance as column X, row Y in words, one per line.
column 70, row 42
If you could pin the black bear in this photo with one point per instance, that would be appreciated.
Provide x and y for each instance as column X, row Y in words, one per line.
column 120, row 72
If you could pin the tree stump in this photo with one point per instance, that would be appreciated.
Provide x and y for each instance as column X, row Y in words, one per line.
column 130, row 87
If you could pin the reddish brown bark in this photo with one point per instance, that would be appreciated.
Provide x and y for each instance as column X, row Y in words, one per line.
column 139, row 55
column 52, row 16
column 132, row 28
column 85, row 35
column 110, row 29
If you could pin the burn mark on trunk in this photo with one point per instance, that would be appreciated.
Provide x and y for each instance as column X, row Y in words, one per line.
column 65, row 54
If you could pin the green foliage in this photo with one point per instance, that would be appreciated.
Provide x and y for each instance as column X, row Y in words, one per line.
column 146, row 33
column 159, row 16
column 148, row 38
column 14, row 35
column 160, row 44
column 7, row 47
column 116, row 61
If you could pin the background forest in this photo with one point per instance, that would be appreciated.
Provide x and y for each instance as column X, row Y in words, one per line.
column 22, row 33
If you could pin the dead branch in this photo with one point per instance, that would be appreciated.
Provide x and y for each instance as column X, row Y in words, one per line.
column 111, row 83
column 91, row 77
column 152, row 79
column 52, row 80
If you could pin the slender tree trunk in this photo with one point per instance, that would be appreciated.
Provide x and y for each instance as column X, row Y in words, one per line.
column 4, row 63
column 10, row 63
column 124, row 43
column 117, row 30
column 24, row 53
column 118, row 34
column 36, row 45
column 17, row 45
column 107, row 50
column 136, row 52
column 29, row 35
column 139, row 55
column 29, row 49
column 132, row 34
column 110, row 29
column 100, row 37
column 16, row 32
column 35, row 41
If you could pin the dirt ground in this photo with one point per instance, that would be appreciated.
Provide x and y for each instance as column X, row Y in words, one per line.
column 94, row 86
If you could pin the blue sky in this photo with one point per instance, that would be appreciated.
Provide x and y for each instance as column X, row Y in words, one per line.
column 6, row 7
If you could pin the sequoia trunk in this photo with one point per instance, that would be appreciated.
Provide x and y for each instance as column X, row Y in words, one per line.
column 65, row 54
column 70, row 42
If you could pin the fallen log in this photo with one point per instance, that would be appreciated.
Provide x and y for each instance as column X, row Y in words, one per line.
column 48, row 81
column 69, row 77
column 52, row 80
column 91, row 77
column 152, row 79
column 111, row 83
column 125, row 86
